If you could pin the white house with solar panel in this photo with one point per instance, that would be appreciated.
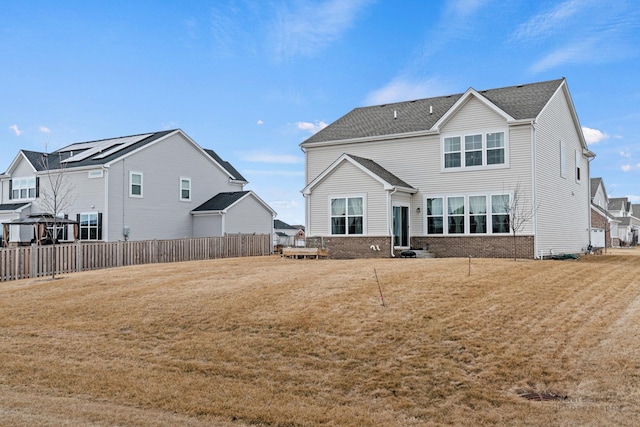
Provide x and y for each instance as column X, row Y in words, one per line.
column 452, row 174
column 159, row 185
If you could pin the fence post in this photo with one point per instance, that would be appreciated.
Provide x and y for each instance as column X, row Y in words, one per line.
column 33, row 261
column 78, row 256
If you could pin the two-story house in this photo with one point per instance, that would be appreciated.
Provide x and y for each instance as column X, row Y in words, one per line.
column 158, row 185
column 628, row 220
column 604, row 225
column 454, row 173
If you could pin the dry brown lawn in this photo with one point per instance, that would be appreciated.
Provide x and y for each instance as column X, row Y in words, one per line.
column 269, row 341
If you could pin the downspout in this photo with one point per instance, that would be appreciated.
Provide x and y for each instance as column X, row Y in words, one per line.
column 390, row 218
column 534, row 189
column 105, row 217
column 589, row 204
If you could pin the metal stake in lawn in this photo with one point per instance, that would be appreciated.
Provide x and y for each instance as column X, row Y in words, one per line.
column 469, row 265
column 377, row 280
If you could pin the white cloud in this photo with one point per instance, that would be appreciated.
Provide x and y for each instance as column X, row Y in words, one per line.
column 546, row 23
column 593, row 136
column 400, row 89
column 259, row 122
column 264, row 157
column 625, row 168
column 463, row 8
column 15, row 130
column 44, row 129
column 625, row 154
column 313, row 26
column 312, row 127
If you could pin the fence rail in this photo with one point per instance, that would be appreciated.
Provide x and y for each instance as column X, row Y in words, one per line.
column 37, row 261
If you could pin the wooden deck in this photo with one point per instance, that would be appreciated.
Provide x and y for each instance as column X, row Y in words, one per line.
column 300, row 253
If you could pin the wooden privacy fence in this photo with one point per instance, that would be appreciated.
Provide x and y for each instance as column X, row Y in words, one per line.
column 37, row 261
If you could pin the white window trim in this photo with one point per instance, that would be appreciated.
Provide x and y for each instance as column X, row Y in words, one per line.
column 98, row 225
column 407, row 205
column 182, row 199
column 364, row 213
column 138, row 196
column 467, row 215
column 484, row 165
column 13, row 188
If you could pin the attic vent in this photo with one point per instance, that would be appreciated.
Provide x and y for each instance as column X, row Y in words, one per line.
column 430, row 109
column 395, row 114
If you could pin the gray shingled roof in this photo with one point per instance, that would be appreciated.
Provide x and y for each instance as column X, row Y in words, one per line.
column 380, row 171
column 54, row 158
column 595, row 183
column 226, row 165
column 221, row 201
column 520, row 102
column 281, row 225
column 12, row 206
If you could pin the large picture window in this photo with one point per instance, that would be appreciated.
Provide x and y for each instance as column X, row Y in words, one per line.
column 478, row 150
column 471, row 214
column 347, row 215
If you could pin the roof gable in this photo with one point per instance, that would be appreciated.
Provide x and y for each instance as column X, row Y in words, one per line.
column 515, row 103
column 371, row 168
column 222, row 202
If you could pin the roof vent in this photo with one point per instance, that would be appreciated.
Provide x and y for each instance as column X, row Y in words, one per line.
column 430, row 109
column 395, row 114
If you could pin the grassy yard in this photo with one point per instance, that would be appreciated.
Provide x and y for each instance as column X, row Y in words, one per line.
column 279, row 342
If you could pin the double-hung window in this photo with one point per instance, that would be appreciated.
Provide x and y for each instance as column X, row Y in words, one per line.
column 478, row 150
column 135, row 184
column 455, row 215
column 452, row 152
column 477, row 214
column 185, row 189
column 500, row 213
column 435, row 215
column 347, row 215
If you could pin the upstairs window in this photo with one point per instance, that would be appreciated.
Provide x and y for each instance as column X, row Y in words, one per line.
column 479, row 150
column 185, row 189
column 452, row 152
column 578, row 164
column 135, row 184
column 23, row 188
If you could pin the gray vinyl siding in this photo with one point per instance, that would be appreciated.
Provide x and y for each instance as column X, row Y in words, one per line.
column 348, row 180
column 417, row 161
column 83, row 194
column 160, row 214
column 207, row 225
column 248, row 216
column 563, row 211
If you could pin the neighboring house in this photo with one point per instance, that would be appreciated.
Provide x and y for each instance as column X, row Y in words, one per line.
column 629, row 222
column 287, row 235
column 159, row 185
column 604, row 225
column 447, row 173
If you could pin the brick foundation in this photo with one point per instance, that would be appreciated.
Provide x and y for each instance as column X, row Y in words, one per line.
column 476, row 246
column 440, row 246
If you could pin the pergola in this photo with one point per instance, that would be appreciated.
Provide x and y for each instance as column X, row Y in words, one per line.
column 40, row 223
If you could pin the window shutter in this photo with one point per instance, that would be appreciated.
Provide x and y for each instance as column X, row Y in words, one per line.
column 76, row 228
column 10, row 189
column 99, row 225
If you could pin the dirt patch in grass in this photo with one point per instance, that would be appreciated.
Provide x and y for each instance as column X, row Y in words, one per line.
column 280, row 342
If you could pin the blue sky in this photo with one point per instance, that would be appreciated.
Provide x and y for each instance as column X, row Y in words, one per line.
column 253, row 79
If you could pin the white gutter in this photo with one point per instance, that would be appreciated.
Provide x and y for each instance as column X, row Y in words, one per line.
column 534, row 190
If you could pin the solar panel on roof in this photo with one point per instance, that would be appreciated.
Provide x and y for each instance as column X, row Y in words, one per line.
column 127, row 142
column 103, row 145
